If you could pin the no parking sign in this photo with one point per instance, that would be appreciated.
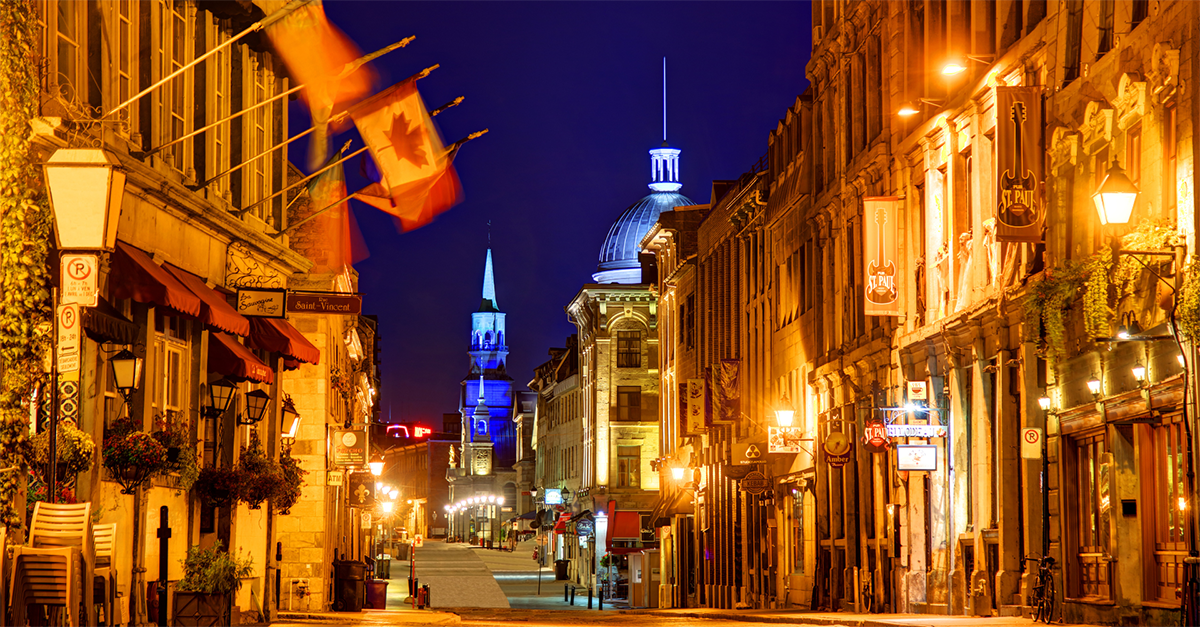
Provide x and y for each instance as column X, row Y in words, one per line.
column 1031, row 443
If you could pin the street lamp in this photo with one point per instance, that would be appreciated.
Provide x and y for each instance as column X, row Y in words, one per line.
column 291, row 419
column 126, row 372
column 1115, row 197
column 913, row 107
column 86, row 189
column 1139, row 374
column 677, row 471
column 220, row 395
column 1094, row 387
column 256, row 406
column 957, row 66
column 376, row 465
column 1044, row 403
column 784, row 413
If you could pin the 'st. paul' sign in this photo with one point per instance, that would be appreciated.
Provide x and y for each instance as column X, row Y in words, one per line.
column 879, row 256
column 1020, row 204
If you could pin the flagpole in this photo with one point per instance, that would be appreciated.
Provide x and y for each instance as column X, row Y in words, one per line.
column 244, row 210
column 452, row 103
column 453, row 148
column 224, row 120
column 264, row 153
column 267, row 21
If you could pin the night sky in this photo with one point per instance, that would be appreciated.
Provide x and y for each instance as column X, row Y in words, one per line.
column 572, row 95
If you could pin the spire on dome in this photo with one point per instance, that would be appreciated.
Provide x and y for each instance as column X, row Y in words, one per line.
column 664, row 161
column 489, row 286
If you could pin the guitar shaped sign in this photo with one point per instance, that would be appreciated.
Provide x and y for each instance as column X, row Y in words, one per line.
column 881, row 271
column 1018, row 191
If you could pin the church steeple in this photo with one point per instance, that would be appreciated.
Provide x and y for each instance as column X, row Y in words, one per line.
column 488, row 348
column 489, row 286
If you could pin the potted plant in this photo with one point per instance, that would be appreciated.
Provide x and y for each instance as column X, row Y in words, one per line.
column 132, row 456
column 219, row 487
column 174, row 434
column 210, row 577
column 262, row 476
column 292, row 481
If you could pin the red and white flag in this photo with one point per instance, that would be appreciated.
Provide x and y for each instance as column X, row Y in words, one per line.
column 418, row 178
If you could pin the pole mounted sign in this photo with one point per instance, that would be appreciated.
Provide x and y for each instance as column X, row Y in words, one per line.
column 68, row 338
column 79, row 280
column 875, row 436
column 1031, row 443
column 349, row 447
column 755, row 482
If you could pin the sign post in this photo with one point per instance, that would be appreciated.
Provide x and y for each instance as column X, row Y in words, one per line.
column 79, row 279
column 1031, row 443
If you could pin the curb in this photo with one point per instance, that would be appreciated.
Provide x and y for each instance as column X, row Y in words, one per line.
column 390, row 617
column 799, row 617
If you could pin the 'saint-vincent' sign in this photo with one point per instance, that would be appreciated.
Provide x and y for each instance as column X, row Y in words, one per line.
column 348, row 304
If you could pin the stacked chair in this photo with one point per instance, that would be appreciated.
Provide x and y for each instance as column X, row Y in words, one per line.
column 104, row 580
column 55, row 568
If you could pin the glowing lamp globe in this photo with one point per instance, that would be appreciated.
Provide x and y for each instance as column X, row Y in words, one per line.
column 677, row 472
column 86, row 190
column 1115, row 198
column 376, row 465
column 126, row 371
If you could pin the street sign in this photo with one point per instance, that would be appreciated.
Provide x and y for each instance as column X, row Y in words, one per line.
column 755, row 482
column 335, row 478
column 418, row 540
column 78, row 280
column 1031, row 443
column 261, row 303
column 349, row 447
column 69, row 338
column 916, row 457
column 875, row 436
column 838, row 449
column 749, row 452
column 366, row 520
column 330, row 303
column 917, row 431
column 785, row 439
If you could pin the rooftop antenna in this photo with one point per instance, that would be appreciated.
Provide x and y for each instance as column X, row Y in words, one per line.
column 489, row 233
column 664, row 101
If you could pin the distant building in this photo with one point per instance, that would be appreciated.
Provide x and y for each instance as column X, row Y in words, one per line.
column 482, row 467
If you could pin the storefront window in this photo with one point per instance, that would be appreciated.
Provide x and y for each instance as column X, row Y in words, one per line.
column 1169, row 502
column 1093, row 506
column 798, row 532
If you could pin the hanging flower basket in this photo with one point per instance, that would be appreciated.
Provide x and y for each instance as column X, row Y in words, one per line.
column 173, row 432
column 219, row 487
column 292, row 482
column 263, row 475
column 74, row 451
column 131, row 457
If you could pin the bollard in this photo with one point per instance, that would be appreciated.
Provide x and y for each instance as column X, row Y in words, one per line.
column 572, row 596
column 566, row 592
column 164, row 536
column 589, row 598
column 600, row 599
column 425, row 591
column 278, row 573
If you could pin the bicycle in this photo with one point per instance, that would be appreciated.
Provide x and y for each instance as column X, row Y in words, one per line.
column 1189, row 601
column 1042, row 595
column 868, row 593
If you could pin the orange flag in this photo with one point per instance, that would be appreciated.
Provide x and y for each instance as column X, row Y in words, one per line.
column 334, row 242
column 418, row 178
column 316, row 53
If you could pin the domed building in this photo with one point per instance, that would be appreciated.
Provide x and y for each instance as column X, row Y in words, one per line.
column 619, row 254
column 609, row 467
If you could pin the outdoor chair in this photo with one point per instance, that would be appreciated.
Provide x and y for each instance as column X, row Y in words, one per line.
column 104, row 579
column 56, row 564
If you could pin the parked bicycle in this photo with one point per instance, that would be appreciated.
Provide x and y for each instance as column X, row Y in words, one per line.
column 868, row 593
column 1189, row 601
column 1042, row 597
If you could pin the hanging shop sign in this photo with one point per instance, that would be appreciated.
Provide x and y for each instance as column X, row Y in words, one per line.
column 335, row 478
column 917, row 431
column 879, row 256
column 725, row 395
column 262, row 303
column 916, row 457
column 362, row 490
column 838, row 449
column 755, row 482
column 324, row 303
column 1020, row 209
column 750, row 452
column 696, row 397
column 875, row 436
column 349, row 447
column 366, row 520
column 585, row 527
column 785, row 439
column 552, row 496
column 78, row 280
column 917, row 391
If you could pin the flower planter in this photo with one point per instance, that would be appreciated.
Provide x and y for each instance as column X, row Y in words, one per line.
column 173, row 454
column 196, row 609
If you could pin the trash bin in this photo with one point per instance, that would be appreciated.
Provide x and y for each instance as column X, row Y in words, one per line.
column 560, row 569
column 402, row 551
column 349, row 585
column 377, row 594
column 383, row 567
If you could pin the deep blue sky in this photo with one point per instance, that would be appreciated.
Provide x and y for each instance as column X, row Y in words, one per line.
column 572, row 95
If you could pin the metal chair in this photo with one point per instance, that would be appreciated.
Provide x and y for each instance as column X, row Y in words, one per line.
column 53, row 568
column 104, row 577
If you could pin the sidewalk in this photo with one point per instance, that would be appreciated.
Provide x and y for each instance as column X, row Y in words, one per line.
column 844, row 618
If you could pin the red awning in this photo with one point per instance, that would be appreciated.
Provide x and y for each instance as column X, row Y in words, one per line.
column 228, row 357
column 561, row 525
column 214, row 310
column 625, row 526
column 276, row 335
column 134, row 275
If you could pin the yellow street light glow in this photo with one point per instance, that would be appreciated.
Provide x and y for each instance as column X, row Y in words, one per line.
column 677, row 472
column 907, row 110
column 953, row 68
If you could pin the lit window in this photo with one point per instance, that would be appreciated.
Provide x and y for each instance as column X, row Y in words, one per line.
column 629, row 349
column 629, row 466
